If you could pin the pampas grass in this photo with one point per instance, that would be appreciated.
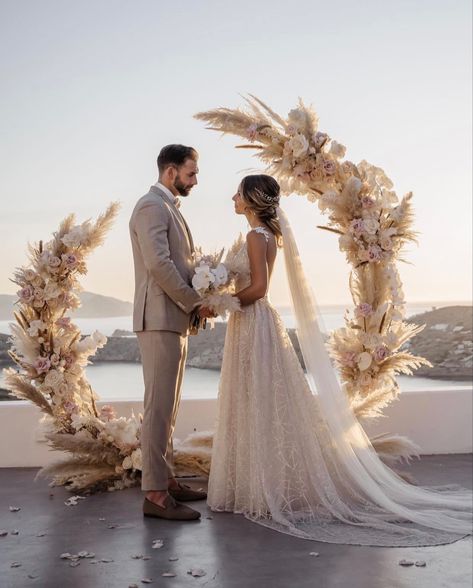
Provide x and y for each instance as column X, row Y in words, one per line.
column 372, row 226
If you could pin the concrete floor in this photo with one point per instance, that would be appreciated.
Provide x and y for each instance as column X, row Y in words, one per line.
column 234, row 552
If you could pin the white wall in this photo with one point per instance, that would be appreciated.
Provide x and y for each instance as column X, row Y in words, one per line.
column 438, row 421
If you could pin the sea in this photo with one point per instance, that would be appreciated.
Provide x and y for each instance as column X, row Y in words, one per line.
column 124, row 381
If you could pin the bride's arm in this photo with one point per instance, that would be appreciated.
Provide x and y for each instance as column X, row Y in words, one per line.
column 259, row 270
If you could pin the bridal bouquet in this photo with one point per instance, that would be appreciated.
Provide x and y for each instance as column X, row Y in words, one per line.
column 215, row 283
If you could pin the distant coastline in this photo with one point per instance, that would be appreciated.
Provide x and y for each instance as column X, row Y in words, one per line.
column 446, row 342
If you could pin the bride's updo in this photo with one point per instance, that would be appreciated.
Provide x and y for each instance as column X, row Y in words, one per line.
column 262, row 193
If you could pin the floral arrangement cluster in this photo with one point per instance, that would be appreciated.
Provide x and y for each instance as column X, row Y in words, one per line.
column 104, row 450
column 214, row 283
column 372, row 224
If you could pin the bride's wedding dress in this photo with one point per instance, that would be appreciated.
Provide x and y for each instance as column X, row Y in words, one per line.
column 283, row 459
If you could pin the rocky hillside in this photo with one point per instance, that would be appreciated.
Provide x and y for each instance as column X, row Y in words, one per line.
column 446, row 342
column 92, row 306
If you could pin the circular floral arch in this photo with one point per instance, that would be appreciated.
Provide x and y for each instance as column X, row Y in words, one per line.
column 372, row 227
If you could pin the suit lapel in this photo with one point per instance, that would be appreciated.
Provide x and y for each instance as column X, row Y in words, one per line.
column 177, row 215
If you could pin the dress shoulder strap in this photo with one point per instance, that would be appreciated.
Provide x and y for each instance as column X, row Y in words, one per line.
column 262, row 231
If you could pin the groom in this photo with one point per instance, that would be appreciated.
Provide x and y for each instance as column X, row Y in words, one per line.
column 163, row 305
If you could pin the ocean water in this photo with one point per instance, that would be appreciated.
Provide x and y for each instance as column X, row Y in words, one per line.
column 124, row 381
column 332, row 318
column 114, row 381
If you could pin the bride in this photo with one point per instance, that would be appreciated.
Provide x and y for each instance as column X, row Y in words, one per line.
column 288, row 452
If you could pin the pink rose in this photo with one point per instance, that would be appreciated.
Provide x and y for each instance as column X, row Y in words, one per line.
column 29, row 275
column 64, row 322
column 70, row 260
column 26, row 294
column 107, row 412
column 54, row 261
column 367, row 202
column 374, row 253
column 349, row 359
column 330, row 167
column 68, row 360
column 42, row 365
column 381, row 353
column 357, row 226
column 320, row 139
column 363, row 310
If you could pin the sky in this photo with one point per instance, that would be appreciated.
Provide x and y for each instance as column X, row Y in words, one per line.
column 92, row 90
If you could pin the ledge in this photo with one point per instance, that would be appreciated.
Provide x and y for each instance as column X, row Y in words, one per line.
column 440, row 422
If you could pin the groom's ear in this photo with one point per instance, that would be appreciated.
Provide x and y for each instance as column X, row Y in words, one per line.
column 170, row 172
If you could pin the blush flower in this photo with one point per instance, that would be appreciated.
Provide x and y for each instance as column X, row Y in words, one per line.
column 26, row 294
column 363, row 310
column 367, row 202
column 330, row 167
column 357, row 226
column 319, row 139
column 70, row 260
column 381, row 353
column 107, row 412
column 374, row 253
column 349, row 358
column 42, row 365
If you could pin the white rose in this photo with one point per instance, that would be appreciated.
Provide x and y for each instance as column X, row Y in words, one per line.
column 337, row 149
column 299, row 145
column 372, row 340
column 136, row 459
column 74, row 238
column 53, row 379
column 297, row 118
column 370, row 225
column 99, row 339
column 203, row 277
column 35, row 327
column 221, row 275
column 52, row 290
column 127, row 463
column 364, row 361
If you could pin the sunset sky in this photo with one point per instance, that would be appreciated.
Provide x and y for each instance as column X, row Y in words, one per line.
column 92, row 90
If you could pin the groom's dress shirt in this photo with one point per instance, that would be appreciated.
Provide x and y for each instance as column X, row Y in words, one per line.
column 172, row 199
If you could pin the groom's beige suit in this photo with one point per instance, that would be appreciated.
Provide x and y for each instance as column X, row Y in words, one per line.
column 164, row 298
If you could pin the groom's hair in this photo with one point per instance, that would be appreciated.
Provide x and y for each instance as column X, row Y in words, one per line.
column 175, row 155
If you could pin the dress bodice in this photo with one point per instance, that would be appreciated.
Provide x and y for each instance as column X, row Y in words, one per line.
column 237, row 260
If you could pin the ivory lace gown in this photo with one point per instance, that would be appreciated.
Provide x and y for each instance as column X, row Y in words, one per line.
column 273, row 459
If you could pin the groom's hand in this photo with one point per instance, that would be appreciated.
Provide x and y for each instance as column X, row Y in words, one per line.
column 205, row 312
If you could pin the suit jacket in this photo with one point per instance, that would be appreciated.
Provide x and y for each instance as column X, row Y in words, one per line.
column 163, row 258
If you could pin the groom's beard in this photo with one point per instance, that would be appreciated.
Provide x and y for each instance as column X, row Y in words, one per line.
column 183, row 189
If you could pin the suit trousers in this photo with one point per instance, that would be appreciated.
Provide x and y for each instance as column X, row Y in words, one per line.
column 163, row 356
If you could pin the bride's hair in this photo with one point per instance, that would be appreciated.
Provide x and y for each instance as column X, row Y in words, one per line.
column 262, row 193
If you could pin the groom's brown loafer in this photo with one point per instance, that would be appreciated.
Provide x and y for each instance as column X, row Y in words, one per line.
column 186, row 493
column 171, row 510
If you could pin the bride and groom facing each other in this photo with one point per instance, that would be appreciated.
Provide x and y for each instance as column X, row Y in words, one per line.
column 288, row 452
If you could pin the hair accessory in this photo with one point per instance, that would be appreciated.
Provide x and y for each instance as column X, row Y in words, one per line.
column 266, row 197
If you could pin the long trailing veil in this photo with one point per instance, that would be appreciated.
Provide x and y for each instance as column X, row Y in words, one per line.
column 389, row 504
